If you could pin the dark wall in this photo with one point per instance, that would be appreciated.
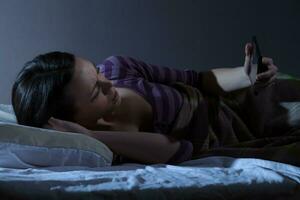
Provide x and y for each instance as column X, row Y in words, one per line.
column 193, row 34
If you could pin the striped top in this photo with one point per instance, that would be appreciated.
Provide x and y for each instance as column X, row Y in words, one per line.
column 151, row 82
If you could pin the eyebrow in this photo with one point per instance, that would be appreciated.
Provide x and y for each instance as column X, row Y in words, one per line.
column 96, row 84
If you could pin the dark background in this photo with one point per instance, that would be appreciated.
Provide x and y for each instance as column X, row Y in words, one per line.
column 181, row 34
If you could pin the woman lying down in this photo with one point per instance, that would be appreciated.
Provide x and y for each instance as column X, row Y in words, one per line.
column 153, row 114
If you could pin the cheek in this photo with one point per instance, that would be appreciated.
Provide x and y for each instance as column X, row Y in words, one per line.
column 101, row 105
column 94, row 111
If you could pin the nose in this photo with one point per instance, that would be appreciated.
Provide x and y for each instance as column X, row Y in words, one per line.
column 106, row 85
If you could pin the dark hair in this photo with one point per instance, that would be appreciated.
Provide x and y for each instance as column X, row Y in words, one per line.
column 38, row 92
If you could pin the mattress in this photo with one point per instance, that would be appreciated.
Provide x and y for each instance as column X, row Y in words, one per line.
column 206, row 178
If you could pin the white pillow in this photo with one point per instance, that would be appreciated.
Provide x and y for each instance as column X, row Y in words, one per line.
column 29, row 147
column 7, row 114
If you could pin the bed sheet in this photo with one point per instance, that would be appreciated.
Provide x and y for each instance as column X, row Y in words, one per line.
column 206, row 178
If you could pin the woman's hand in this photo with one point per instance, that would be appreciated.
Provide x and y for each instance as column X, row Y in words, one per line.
column 66, row 126
column 251, row 69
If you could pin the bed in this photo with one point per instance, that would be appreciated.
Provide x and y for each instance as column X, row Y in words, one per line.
column 206, row 178
column 82, row 170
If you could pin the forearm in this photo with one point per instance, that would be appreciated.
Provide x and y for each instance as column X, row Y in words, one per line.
column 223, row 80
column 141, row 146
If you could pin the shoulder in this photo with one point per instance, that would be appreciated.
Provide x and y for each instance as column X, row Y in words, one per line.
column 117, row 67
column 119, row 60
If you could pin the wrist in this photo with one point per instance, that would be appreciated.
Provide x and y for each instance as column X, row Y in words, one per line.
column 230, row 79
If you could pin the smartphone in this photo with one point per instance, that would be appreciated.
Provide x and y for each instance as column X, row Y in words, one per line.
column 257, row 57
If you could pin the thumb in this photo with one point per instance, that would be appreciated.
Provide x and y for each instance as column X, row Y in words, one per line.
column 250, row 68
column 248, row 54
column 249, row 49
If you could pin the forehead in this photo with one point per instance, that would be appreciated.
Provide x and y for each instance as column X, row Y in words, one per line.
column 83, row 66
column 83, row 79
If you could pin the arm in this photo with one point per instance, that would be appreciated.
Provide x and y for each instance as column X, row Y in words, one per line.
column 220, row 81
column 216, row 81
column 145, row 147
column 223, row 80
column 120, row 67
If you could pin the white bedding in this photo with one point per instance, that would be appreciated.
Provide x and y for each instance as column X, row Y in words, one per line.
column 207, row 178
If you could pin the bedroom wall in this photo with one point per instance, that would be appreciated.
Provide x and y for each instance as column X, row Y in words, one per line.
column 181, row 34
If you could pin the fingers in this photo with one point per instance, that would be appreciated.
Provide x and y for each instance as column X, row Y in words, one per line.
column 266, row 81
column 56, row 124
column 56, row 121
column 272, row 71
column 267, row 61
column 53, row 120
column 47, row 126
column 67, row 126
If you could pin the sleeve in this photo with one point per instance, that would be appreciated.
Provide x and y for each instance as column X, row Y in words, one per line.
column 155, row 73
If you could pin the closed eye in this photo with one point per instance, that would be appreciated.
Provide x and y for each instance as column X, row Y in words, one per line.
column 98, row 89
column 97, row 86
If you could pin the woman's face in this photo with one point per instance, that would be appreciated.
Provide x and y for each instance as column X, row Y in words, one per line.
column 92, row 93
